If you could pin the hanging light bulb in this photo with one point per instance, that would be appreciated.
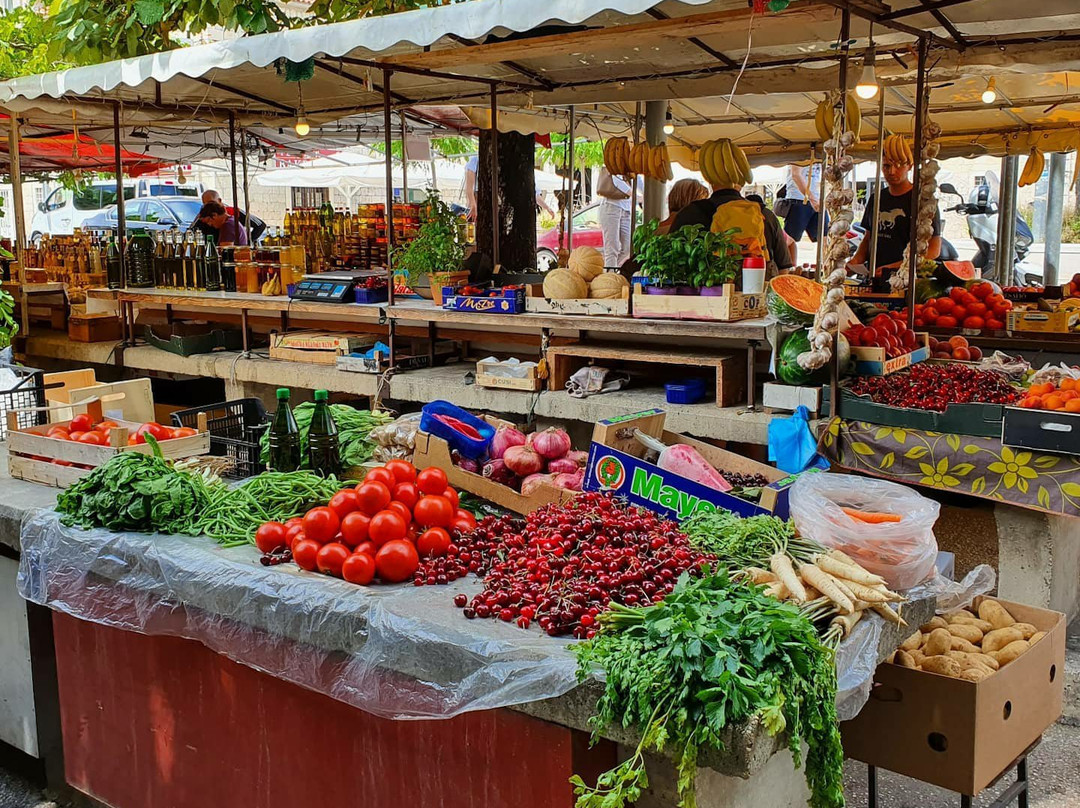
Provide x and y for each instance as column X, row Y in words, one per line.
column 302, row 127
column 989, row 95
column 669, row 124
column 181, row 177
column 868, row 87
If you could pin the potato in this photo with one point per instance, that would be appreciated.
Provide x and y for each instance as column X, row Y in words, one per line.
column 1011, row 652
column 967, row 660
column 960, row 644
column 903, row 659
column 935, row 622
column 999, row 638
column 976, row 674
column 939, row 641
column 1026, row 629
column 912, row 642
column 970, row 633
column 942, row 665
column 994, row 613
column 987, row 660
column 1038, row 635
column 968, row 619
column 918, row 656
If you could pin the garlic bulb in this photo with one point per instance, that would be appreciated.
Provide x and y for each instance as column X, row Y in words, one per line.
column 927, row 205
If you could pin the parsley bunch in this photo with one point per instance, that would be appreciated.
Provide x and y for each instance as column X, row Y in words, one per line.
column 712, row 654
column 746, row 542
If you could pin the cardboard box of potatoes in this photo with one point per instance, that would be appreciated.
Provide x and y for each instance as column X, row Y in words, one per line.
column 964, row 696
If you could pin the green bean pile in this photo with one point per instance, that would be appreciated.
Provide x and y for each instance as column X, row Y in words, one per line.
column 234, row 514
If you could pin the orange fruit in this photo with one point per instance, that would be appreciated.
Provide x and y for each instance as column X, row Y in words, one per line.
column 1072, row 405
column 1053, row 402
column 1068, row 384
column 1033, row 402
column 1042, row 389
column 1068, row 395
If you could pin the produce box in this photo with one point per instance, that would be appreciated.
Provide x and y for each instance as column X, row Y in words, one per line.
column 1061, row 321
column 99, row 327
column 506, row 301
column 1031, row 295
column 616, row 465
column 434, row 451
column 789, row 397
column 34, row 456
column 1045, row 430
column 727, row 307
column 980, row 420
column 536, row 303
column 871, row 361
column 319, row 347
column 957, row 734
column 485, row 378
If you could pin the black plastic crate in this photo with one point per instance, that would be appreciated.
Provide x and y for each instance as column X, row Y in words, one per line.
column 235, row 428
column 27, row 394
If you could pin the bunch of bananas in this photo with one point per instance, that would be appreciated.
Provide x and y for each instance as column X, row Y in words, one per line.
column 652, row 161
column 272, row 287
column 723, row 164
column 8, row 324
column 825, row 117
column 1033, row 168
column 896, row 149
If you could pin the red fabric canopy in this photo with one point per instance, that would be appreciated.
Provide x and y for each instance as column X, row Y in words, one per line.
column 64, row 152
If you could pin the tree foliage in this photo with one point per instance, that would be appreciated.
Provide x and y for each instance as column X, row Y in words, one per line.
column 24, row 35
column 587, row 153
column 339, row 10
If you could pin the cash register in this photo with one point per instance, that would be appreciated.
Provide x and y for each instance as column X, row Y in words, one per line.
column 332, row 287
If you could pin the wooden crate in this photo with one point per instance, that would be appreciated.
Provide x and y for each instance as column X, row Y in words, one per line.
column 729, row 307
column 317, row 347
column 34, row 456
column 531, row 383
column 100, row 327
column 536, row 303
column 729, row 369
column 132, row 399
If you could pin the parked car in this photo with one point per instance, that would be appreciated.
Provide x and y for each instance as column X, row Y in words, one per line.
column 586, row 234
column 152, row 213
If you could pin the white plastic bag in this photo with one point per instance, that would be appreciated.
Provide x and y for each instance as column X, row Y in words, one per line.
column 901, row 552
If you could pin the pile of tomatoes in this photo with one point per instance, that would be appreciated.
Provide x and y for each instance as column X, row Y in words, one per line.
column 884, row 332
column 82, row 429
column 976, row 309
column 381, row 528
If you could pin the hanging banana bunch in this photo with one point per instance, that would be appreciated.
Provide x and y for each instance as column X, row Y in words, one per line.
column 824, row 118
column 617, row 156
column 1033, row 168
column 724, row 164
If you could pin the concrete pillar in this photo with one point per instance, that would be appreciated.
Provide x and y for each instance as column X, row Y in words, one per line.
column 1038, row 558
column 779, row 784
column 655, row 190
column 1003, row 272
column 1055, row 203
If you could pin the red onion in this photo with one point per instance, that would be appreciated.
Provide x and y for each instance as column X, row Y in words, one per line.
column 532, row 482
column 571, row 482
column 505, row 437
column 551, row 443
column 496, row 471
column 523, row 461
column 564, row 465
column 578, row 456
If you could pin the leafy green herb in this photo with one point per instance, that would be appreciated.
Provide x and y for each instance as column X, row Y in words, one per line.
column 437, row 247
column 712, row 654
column 692, row 255
column 746, row 541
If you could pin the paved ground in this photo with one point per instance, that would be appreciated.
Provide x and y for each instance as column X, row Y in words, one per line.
column 15, row 792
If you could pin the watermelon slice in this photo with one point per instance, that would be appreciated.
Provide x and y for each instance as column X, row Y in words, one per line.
column 793, row 299
column 959, row 271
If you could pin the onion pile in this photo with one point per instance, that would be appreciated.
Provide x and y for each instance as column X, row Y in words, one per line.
column 523, row 463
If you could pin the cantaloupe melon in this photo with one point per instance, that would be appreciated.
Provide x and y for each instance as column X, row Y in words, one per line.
column 562, row 284
column 793, row 299
column 608, row 286
column 587, row 262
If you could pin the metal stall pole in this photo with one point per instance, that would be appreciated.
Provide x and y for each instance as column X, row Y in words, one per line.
column 20, row 222
column 495, row 228
column 921, row 105
column 121, row 224
column 247, row 203
column 1055, row 201
column 821, row 209
column 634, row 179
column 1006, row 235
column 232, row 162
column 570, row 196
column 877, row 183
column 390, row 240
column 404, row 163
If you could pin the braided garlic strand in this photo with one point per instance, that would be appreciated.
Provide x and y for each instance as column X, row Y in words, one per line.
column 924, row 226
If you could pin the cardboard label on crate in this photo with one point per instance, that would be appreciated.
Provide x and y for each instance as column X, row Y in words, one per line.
column 1060, row 321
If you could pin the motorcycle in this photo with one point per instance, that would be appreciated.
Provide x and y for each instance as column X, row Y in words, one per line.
column 982, row 220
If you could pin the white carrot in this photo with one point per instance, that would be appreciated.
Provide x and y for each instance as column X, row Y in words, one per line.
column 851, row 572
column 780, row 564
column 760, row 576
column 846, row 622
column 777, row 590
column 885, row 610
column 821, row 581
column 863, row 592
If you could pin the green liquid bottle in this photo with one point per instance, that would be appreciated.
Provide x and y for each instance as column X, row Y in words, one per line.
column 284, row 436
column 323, row 450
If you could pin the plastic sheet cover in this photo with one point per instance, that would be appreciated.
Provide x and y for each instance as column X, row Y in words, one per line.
column 395, row 651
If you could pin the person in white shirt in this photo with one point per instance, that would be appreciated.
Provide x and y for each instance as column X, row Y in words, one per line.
column 803, row 185
column 472, row 168
column 614, row 193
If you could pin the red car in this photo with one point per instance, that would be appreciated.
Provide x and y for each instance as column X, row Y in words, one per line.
column 586, row 234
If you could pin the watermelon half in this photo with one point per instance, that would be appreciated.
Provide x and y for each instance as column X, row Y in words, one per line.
column 793, row 299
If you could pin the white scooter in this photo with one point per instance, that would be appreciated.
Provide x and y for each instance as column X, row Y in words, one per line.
column 982, row 218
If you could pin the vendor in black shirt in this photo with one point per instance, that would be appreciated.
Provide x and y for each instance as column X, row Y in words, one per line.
column 893, row 230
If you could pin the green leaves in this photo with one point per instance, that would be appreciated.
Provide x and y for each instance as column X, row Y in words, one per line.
column 149, row 12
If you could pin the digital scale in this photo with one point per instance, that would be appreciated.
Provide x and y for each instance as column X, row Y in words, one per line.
column 332, row 287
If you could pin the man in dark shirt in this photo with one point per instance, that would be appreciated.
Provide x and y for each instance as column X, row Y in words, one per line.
column 893, row 230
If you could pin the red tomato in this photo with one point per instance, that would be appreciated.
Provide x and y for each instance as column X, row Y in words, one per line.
column 354, row 528
column 367, row 548
column 304, row 554
column 381, row 475
column 294, row 536
column 157, row 430
column 75, row 435
column 58, row 433
column 94, row 438
column 1002, row 309
column 105, row 426
column 467, row 515
column 133, row 440
column 434, row 511
column 406, row 493
column 81, row 423
column 396, row 561
column 373, row 497
column 959, row 312
column 296, row 520
column 400, row 508
column 331, row 558
column 957, row 292
column 995, row 325
column 452, row 495
column 945, row 305
column 184, row 432
column 359, row 568
column 977, row 309
column 321, row 524
column 982, row 290
column 344, row 502
column 270, row 536
column 967, row 299
column 433, row 542
column 403, row 471
column 462, row 526
column 946, row 322
column 431, row 481
column 386, row 526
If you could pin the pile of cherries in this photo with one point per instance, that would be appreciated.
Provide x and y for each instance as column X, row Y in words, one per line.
column 563, row 565
column 935, row 387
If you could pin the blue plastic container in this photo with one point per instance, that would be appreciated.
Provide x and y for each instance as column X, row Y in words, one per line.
column 364, row 296
column 468, row 447
column 685, row 391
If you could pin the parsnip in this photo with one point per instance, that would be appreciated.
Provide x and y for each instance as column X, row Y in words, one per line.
column 850, row 572
column 864, row 592
column 820, row 580
column 885, row 610
column 780, row 564
column 760, row 576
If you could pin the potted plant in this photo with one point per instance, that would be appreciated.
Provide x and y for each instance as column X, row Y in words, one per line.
column 659, row 258
column 434, row 258
column 690, row 260
column 715, row 262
